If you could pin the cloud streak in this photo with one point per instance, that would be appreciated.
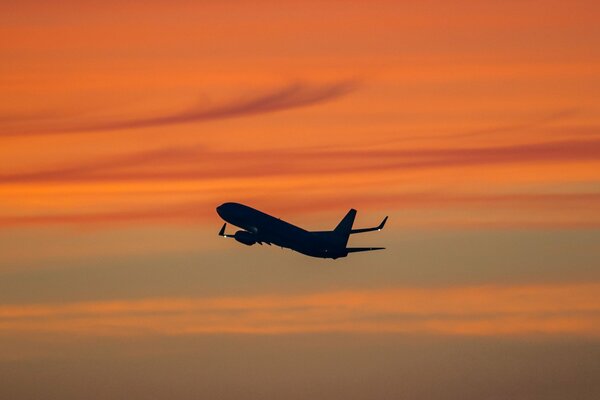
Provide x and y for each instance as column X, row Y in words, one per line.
column 484, row 310
column 202, row 167
column 202, row 163
column 292, row 96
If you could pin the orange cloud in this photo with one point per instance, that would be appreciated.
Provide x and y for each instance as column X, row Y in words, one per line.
column 177, row 184
column 485, row 310
column 201, row 163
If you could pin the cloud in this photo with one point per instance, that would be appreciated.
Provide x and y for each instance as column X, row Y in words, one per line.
column 567, row 309
column 94, row 170
column 289, row 97
column 202, row 163
column 518, row 127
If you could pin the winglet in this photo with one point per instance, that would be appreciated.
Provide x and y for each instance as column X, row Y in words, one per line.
column 380, row 227
column 222, row 231
column 377, row 228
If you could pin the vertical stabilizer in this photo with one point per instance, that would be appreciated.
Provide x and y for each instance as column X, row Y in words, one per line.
column 345, row 226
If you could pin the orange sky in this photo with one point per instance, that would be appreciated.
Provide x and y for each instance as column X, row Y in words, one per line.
column 473, row 125
column 102, row 117
column 485, row 310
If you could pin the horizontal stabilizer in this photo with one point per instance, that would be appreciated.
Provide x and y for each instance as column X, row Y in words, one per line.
column 377, row 228
column 357, row 249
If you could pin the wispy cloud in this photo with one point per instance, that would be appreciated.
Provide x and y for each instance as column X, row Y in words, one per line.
column 289, row 97
column 202, row 163
column 203, row 168
column 486, row 310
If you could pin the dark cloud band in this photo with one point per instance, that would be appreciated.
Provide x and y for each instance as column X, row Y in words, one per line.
column 292, row 96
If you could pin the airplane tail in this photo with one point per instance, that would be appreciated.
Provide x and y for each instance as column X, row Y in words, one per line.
column 344, row 228
column 345, row 225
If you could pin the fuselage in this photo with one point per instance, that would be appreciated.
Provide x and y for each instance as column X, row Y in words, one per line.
column 268, row 229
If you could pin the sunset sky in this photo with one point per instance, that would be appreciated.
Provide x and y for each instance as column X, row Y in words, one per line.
column 475, row 125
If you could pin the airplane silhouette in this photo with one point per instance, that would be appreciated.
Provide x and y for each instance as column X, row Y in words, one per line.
column 258, row 227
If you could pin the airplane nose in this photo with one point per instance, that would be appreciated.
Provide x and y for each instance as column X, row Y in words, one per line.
column 227, row 210
column 221, row 209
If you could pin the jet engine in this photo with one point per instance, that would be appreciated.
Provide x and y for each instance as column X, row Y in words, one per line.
column 245, row 237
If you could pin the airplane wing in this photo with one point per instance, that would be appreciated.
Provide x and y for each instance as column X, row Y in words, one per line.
column 376, row 228
column 357, row 249
column 222, row 232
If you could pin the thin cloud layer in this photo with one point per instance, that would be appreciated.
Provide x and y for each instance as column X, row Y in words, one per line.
column 201, row 163
column 568, row 309
column 295, row 95
column 193, row 171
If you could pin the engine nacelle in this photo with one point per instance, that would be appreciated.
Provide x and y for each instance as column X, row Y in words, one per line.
column 245, row 237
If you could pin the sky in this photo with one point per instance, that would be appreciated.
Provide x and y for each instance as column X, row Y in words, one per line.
column 474, row 125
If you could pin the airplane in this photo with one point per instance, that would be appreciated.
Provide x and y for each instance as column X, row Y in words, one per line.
column 258, row 227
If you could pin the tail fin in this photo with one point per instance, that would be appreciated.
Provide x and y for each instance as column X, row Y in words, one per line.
column 345, row 225
column 344, row 228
